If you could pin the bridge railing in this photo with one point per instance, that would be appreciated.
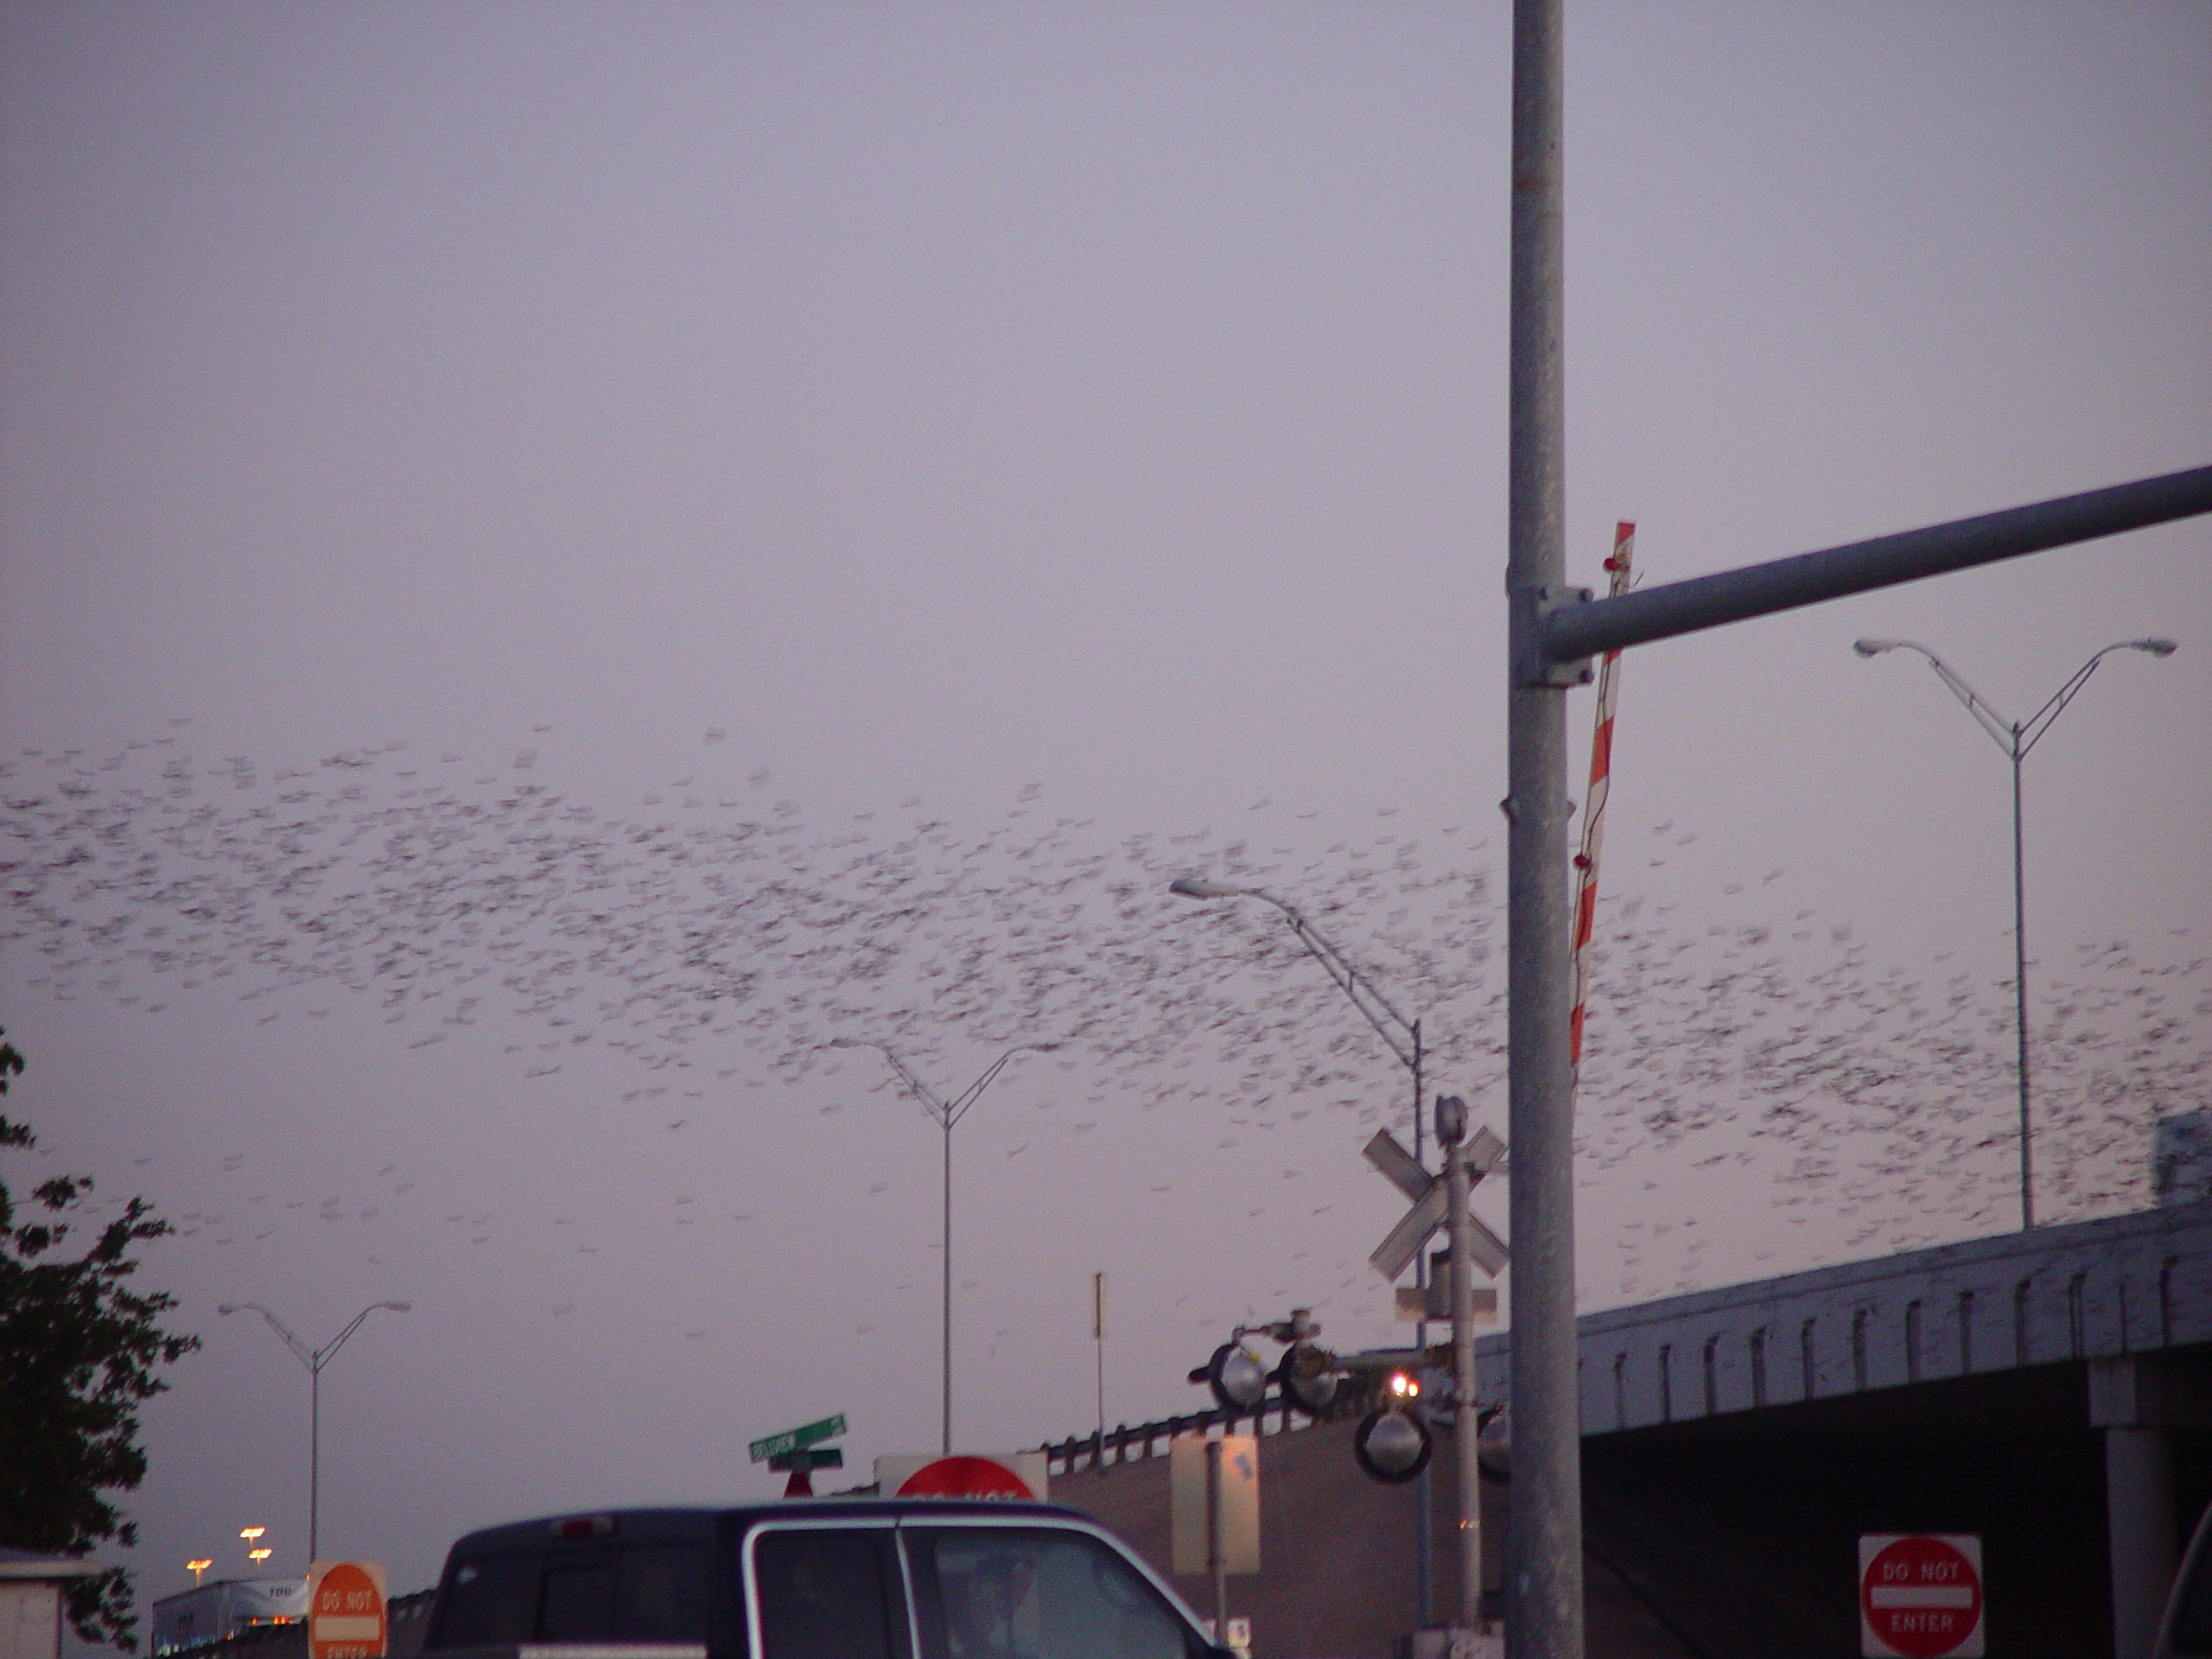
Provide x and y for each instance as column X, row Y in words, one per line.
column 1135, row 1442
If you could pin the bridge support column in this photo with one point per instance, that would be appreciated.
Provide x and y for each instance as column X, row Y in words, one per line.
column 2133, row 1401
column 2139, row 1509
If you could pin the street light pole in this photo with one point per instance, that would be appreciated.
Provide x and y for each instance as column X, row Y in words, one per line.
column 315, row 1359
column 1403, row 1037
column 2016, row 738
column 946, row 1115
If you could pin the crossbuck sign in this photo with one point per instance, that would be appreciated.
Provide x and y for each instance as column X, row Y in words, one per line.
column 1484, row 1151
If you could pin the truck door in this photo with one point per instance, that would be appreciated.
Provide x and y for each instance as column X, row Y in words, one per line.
column 996, row 1592
column 824, row 1592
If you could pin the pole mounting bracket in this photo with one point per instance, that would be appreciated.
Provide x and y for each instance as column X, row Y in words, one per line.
column 1533, row 665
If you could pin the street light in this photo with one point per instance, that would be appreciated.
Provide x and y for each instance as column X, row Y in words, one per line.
column 315, row 1359
column 1403, row 1037
column 2016, row 738
column 946, row 1115
column 196, row 1568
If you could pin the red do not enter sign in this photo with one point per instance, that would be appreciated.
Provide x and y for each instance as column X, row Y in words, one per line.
column 1920, row 1595
column 965, row 1477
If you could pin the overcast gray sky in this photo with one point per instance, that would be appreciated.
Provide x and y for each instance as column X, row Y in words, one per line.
column 1067, row 423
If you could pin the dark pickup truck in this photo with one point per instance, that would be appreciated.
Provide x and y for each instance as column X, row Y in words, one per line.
column 832, row 1578
column 2186, row 1630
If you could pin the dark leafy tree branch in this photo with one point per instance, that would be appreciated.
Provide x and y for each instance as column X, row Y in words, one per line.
column 80, row 1352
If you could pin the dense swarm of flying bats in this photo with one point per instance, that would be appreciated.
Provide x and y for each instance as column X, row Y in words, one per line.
column 716, row 925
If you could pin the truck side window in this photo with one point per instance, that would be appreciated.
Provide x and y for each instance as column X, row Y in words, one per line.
column 823, row 1595
column 1039, row 1595
column 663, row 1594
column 489, row 1603
column 579, row 1605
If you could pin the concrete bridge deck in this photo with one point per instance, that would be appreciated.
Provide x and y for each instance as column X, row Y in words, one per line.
column 2050, row 1391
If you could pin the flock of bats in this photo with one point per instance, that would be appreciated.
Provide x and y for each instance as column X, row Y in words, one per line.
column 722, row 928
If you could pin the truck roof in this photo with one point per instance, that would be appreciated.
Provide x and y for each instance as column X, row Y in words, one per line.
column 664, row 1525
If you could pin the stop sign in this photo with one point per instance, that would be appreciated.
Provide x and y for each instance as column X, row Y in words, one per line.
column 965, row 1478
column 1920, row 1595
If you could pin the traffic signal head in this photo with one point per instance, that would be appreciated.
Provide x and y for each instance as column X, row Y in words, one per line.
column 1391, row 1445
column 1235, row 1376
column 1308, row 1378
column 1494, row 1445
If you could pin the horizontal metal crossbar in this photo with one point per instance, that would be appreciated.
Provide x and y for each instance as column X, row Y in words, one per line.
column 1700, row 603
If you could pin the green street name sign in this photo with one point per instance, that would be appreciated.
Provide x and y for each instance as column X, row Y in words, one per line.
column 792, row 1439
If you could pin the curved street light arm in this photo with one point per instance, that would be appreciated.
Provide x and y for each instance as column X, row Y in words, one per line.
column 1404, row 1040
column 307, row 1356
column 328, row 1351
column 1977, row 705
column 975, row 1091
column 937, row 1108
column 1353, row 985
column 2040, row 721
column 2015, row 740
column 944, row 1114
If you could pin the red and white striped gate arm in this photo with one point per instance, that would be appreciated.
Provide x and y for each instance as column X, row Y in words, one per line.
column 1593, row 816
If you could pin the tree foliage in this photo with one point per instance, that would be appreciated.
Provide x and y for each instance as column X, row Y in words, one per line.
column 80, row 1351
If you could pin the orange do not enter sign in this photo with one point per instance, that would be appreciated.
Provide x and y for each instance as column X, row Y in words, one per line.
column 1919, row 1596
column 346, row 1610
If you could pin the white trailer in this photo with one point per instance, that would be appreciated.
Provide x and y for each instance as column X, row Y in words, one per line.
column 216, row 1612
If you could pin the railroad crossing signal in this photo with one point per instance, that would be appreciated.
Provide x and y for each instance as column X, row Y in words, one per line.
column 1484, row 1153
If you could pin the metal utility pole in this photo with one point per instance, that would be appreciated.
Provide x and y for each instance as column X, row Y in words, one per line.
column 947, row 1116
column 1543, row 1565
column 315, row 1359
column 1098, row 1333
column 2016, row 738
column 1553, row 632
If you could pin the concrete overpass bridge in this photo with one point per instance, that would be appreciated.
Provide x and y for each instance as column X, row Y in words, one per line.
column 2050, row 1391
